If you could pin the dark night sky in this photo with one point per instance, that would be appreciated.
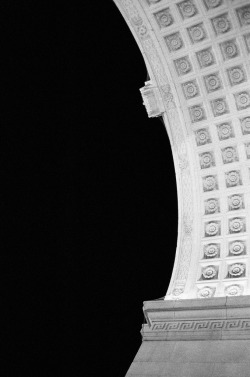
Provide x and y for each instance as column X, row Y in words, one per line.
column 91, row 209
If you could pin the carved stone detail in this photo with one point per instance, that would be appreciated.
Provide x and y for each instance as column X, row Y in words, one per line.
column 197, row 33
column 245, row 125
column 233, row 290
column 192, row 326
column 152, row 100
column 212, row 206
column 237, row 248
column 242, row 100
column 211, row 4
column 229, row 49
column 197, row 113
column 236, row 201
column 243, row 14
column 202, row 136
column 221, row 24
column 205, row 57
column 212, row 250
column 212, row 82
column 225, row 130
column 229, row 154
column 219, row 106
column 207, row 160
column 164, row 18
column 206, row 292
column 183, row 65
column 187, row 9
column 210, row 183
column 190, row 89
column 237, row 225
column 210, row 272
column 236, row 270
column 233, row 178
column 236, row 75
column 174, row 41
column 212, row 228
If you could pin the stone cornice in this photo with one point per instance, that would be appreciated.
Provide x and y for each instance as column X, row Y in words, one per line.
column 214, row 318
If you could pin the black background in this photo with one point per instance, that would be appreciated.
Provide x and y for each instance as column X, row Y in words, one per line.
column 90, row 223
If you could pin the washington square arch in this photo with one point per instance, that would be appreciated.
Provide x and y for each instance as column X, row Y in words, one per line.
column 197, row 54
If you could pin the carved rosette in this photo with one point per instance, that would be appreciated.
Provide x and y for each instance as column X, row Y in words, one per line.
column 206, row 292
column 229, row 49
column 209, row 272
column 187, row 9
column 244, row 15
column 207, row 160
column 174, row 41
column 190, row 89
column 212, row 82
column 212, row 250
column 233, row 290
column 212, row 206
column 226, row 131
column 197, row 33
column 221, row 24
column 236, row 75
column 210, row 183
column 235, row 202
column 237, row 247
column 197, row 113
column 212, row 228
column 164, row 18
column 233, row 178
column 211, row 4
column 205, row 57
column 229, row 154
column 236, row 225
column 183, row 65
column 219, row 106
column 242, row 100
column 236, row 270
column 202, row 136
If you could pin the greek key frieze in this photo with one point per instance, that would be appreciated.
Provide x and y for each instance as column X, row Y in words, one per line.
column 221, row 324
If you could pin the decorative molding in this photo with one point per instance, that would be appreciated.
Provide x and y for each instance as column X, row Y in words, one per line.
column 152, row 100
column 194, row 325
column 175, row 124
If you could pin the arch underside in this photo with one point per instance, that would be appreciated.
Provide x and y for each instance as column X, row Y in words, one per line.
column 198, row 58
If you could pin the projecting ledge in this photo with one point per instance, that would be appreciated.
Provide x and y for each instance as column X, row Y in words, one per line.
column 214, row 318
